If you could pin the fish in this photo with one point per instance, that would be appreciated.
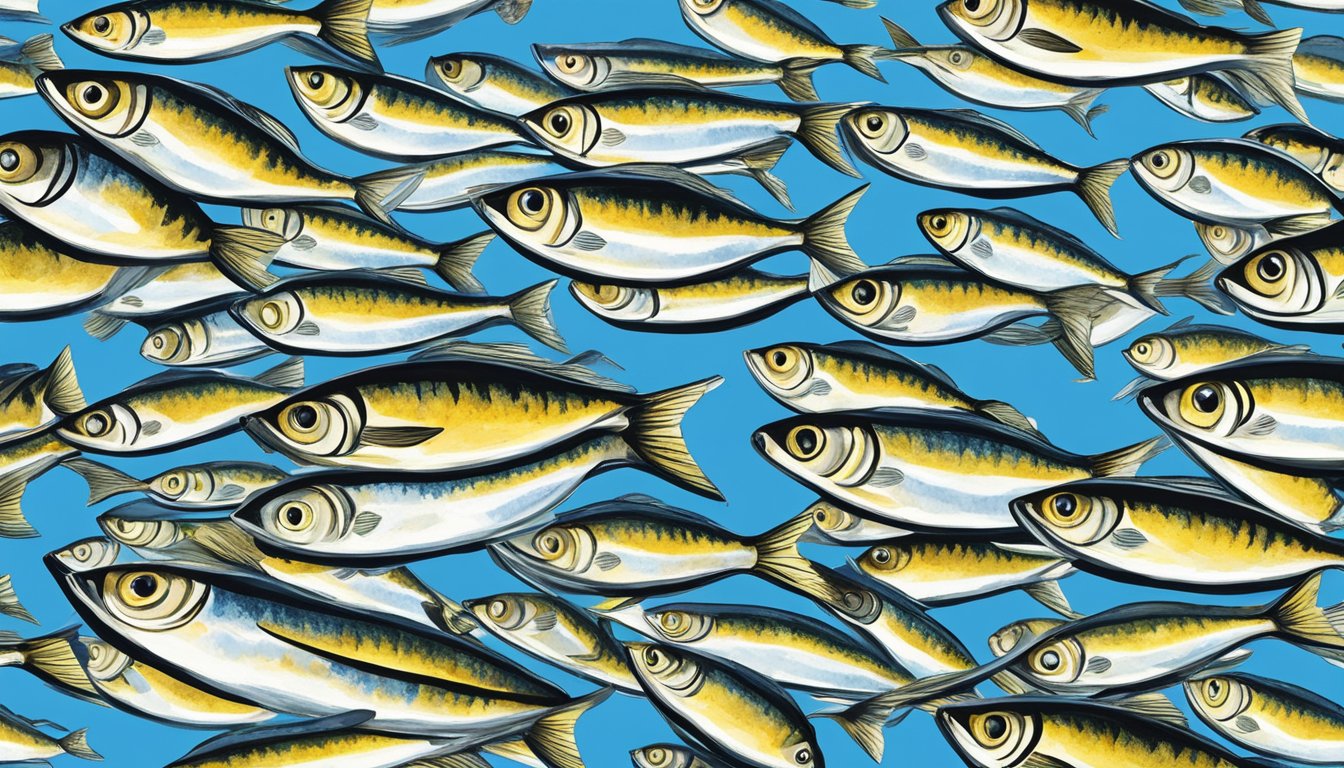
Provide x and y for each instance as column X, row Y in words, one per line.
column 636, row 545
column 552, row 630
column 202, row 338
column 1228, row 244
column 182, row 32
column 394, row 117
column 1318, row 67
column 971, row 75
column 743, row 297
column 936, row 570
column 733, row 711
column 1276, row 412
column 21, row 741
column 1208, row 98
column 641, row 62
column 1320, row 152
column 1012, row 247
column 24, row 457
column 403, row 21
column 40, row 278
column 67, row 187
column 920, row 301
column 331, row 238
column 908, row 467
column 368, row 312
column 1174, row 532
column 1057, row 731
column 9, row 601
column 1272, row 718
column 52, row 659
column 21, row 63
column 176, row 409
column 672, row 756
column 657, row 227
column 1293, row 282
column 493, row 83
column 376, row 517
column 682, row 126
column 335, row 740
column 1237, row 182
column 966, row 151
column 212, row 485
column 1122, row 43
column 31, row 397
column 859, row 375
column 769, row 30
column 795, row 651
column 205, row 143
column 319, row 659
column 453, row 181
column 834, row 524
column 428, row 413
column 175, row 289
column 1184, row 348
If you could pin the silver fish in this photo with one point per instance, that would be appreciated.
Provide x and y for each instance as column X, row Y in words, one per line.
column 1204, row 97
column 737, row 299
column 403, row 21
column 213, row 485
column 494, row 83
column 207, row 337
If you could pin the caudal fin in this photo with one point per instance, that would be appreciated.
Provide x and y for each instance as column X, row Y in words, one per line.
column 1125, row 462
column 655, row 434
column 379, row 193
column 9, row 601
column 62, row 393
column 1075, row 309
column 104, row 481
column 1080, row 109
column 825, row 243
column 864, row 58
column 243, row 253
column 1094, row 187
column 531, row 311
column 819, row 131
column 795, row 79
column 551, row 738
column 456, row 261
column 13, row 525
column 1302, row 621
column 77, row 744
column 1197, row 287
column 759, row 164
column 52, row 658
column 345, row 26
column 778, row 558
column 40, row 53
column 864, row 722
column 1269, row 62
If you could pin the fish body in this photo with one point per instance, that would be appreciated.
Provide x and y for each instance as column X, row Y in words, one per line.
column 1204, row 97
column 41, row 279
column 494, row 83
column 213, row 485
column 22, row 742
column 408, row 20
column 448, row 181
column 177, row 288
column 1322, row 153
column 32, row 396
column 1185, row 348
column 1273, row 718
column 204, row 338
column 740, row 298
column 1318, row 67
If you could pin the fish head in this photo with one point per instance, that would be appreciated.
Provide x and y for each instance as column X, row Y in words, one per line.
column 168, row 344
column 102, row 103
column 821, row 451
column 1226, row 243
column 945, row 62
column 184, row 484
column 108, row 426
column 137, row 532
column 1077, row 514
column 948, row 229
column 1053, row 662
column 618, row 302
column 458, row 72
column 990, row 734
column 884, row 559
column 664, row 756
column 132, row 598
column 677, row 623
column 299, row 516
column 270, row 315
column 285, row 222
column 101, row 660
column 697, row 13
column 109, row 30
column 667, row 670
column 35, row 166
column 310, row 425
column 579, row 70
column 326, row 93
column 1200, row 408
column 996, row 20
column 876, row 130
column 1332, row 171
column 536, row 214
column 1024, row 631
column 513, row 613
column 1151, row 355
column 786, row 371
column 88, row 554
column 1164, row 170
column 1275, row 280
column 866, row 300
column 570, row 128
column 566, row 547
column 1218, row 697
column 829, row 520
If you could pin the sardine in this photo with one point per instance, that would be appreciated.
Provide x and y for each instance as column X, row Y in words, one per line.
column 1293, row 282
column 1318, row 67
column 1273, row 718
column 1320, row 152
column 493, row 83
column 741, row 298
column 213, row 485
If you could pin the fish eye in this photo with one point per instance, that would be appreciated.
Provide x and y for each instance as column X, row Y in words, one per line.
column 1271, row 267
column 296, row 516
column 803, row 756
column 978, row 10
column 550, row 543
column 451, row 68
column 1215, row 691
column 303, row 417
column 957, row 57
column 1269, row 273
column 787, row 366
column 864, row 292
column 656, row 755
column 1206, row 399
column 271, row 314
column 96, row 424
column 497, row 609
column 529, row 208
column 174, row 482
column 880, row 555
column 653, row 656
column 1162, row 163
column 93, row 99
column 569, row 63
column 315, row 79
column 1063, row 506
column 1049, row 661
column 558, row 123
column 18, row 162
column 872, row 124
column 805, row 442
column 9, row 160
column 939, row 224
column 139, row 589
column 101, row 25
column 671, row 620
column 705, row 7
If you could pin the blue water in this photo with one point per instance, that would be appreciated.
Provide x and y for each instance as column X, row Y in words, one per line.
column 1078, row 417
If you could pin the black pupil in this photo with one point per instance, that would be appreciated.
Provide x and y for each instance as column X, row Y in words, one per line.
column 996, row 727
column 93, row 93
column 1215, row 688
column 1142, row 349
column 305, row 416
column 315, row 79
column 143, row 586
column 1065, row 506
column 1206, row 399
column 101, row 24
column 874, row 123
column 551, row 544
column 864, row 292
column 881, row 555
column 807, row 441
column 1159, row 161
column 780, row 359
column 939, row 222
column 571, row 62
column 1271, row 268
column 9, row 159
column 804, row 755
column 293, row 515
column 1050, row 660
column 821, row 516
column 560, row 122
column 532, row 201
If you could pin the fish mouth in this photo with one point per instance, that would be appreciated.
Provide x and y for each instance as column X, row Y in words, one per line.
column 261, row 432
column 50, row 91
column 755, row 363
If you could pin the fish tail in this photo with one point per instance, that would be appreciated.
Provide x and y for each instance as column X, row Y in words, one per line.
column 900, row 38
column 13, row 525
column 1049, row 594
column 1094, row 187
column 551, row 737
column 1335, row 521
column 825, row 243
column 778, row 558
column 864, row 58
column 655, row 435
column 1208, row 7
column 450, row 616
column 77, row 745
column 759, row 163
column 1024, row 334
column 9, row 601
column 864, row 722
column 516, row 750
column 456, row 260
column 103, row 326
column 379, row 193
column 1256, row 11
column 1196, row 286
column 40, row 52
column 104, row 481
column 512, row 11
column 61, row 392
column 1075, row 310
column 286, row 375
column 243, row 253
column 795, row 78
column 1269, row 62
column 53, row 656
column 1080, row 109
column 1125, row 462
column 531, row 310
column 1004, row 413
column 818, row 130
column 1297, row 616
column 345, row 26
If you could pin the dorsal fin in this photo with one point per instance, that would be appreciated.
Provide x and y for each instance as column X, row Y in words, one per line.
column 270, row 733
column 264, row 120
column 518, row 355
column 972, row 116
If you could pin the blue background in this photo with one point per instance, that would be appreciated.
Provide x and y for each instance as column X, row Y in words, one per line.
column 1078, row 417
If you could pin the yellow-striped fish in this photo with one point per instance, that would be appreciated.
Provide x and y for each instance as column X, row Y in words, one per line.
column 1318, row 151
column 1273, row 718
column 212, row 485
column 1228, row 243
column 172, row 290
column 1292, row 282
column 20, row 64
column 1318, row 67
column 32, row 396
column 1184, row 348
column 494, row 83
column 53, row 659
column 207, row 337
column 39, row 278
column 741, row 298
column 21, row 741
column 672, row 756
column 1204, row 97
